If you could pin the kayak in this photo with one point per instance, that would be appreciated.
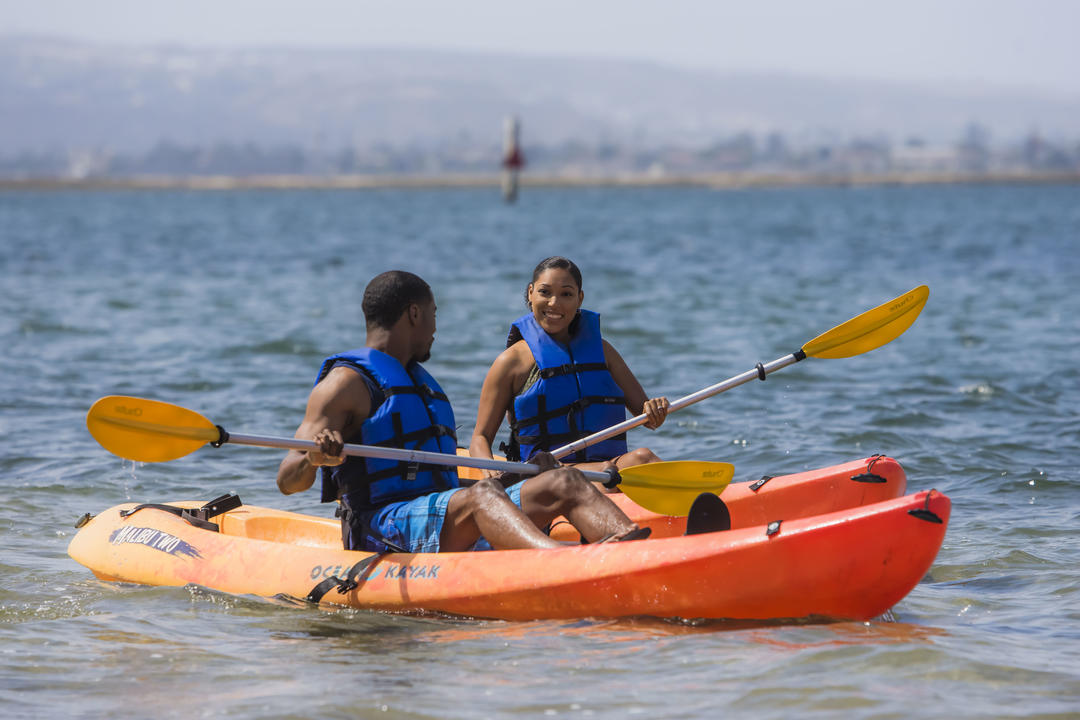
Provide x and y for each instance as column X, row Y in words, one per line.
column 850, row 564
column 778, row 561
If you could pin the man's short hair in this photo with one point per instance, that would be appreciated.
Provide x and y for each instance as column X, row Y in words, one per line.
column 390, row 294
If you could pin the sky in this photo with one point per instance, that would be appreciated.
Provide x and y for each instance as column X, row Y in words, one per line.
column 1004, row 43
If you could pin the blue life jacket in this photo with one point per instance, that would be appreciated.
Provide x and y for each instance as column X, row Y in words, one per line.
column 575, row 395
column 415, row 415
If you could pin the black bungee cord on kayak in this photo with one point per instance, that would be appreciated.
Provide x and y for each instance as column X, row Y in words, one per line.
column 870, row 476
column 925, row 513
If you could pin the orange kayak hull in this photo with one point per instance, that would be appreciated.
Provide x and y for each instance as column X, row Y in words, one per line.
column 853, row 563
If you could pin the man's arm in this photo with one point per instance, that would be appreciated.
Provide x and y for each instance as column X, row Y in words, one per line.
column 332, row 410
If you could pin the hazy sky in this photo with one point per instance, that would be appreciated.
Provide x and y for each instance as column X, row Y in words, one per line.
column 1031, row 43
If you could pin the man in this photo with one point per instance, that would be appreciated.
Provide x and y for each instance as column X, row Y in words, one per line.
column 380, row 394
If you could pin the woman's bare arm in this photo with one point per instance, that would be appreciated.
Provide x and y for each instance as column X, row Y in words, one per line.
column 496, row 397
column 636, row 399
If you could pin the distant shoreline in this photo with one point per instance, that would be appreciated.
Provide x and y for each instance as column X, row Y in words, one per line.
column 719, row 181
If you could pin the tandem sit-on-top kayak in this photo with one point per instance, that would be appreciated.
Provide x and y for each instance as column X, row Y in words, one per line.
column 832, row 543
column 838, row 543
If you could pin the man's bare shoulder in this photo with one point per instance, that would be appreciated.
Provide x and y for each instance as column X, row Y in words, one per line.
column 343, row 386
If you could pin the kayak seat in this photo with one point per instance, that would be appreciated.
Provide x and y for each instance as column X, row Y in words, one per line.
column 707, row 514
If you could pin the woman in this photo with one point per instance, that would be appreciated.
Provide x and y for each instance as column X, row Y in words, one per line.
column 558, row 381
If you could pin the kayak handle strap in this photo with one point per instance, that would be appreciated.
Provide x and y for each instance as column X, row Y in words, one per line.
column 199, row 517
column 351, row 582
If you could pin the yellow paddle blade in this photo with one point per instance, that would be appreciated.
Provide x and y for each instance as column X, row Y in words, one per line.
column 670, row 488
column 870, row 330
column 148, row 430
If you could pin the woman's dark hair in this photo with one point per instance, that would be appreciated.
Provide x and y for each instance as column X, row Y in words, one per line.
column 555, row 262
column 390, row 294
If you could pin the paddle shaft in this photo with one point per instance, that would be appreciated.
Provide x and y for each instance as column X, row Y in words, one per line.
column 758, row 373
column 860, row 334
column 413, row 456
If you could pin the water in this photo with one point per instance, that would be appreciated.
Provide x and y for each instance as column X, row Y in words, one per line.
column 226, row 303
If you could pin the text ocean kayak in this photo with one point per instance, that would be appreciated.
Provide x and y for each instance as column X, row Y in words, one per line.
column 852, row 563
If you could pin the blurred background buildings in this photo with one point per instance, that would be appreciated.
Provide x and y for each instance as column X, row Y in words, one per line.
column 81, row 110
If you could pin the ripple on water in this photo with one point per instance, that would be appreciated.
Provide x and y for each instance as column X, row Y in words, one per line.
column 111, row 293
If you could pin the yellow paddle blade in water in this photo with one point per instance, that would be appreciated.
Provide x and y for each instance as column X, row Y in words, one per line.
column 670, row 488
column 148, row 430
column 870, row 330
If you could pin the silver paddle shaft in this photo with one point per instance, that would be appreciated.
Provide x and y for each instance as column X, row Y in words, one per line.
column 410, row 456
column 759, row 372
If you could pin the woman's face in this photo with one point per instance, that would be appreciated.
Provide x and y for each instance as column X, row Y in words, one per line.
column 555, row 298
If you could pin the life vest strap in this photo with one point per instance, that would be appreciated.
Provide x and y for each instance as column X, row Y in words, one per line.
column 416, row 436
column 544, row 415
column 545, row 440
column 422, row 390
column 413, row 468
column 556, row 439
column 406, row 470
column 571, row 369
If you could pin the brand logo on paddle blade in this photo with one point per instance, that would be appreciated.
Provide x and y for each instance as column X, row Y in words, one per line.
column 154, row 539
column 897, row 305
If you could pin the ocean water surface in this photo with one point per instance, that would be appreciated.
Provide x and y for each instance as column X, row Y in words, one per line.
column 227, row 302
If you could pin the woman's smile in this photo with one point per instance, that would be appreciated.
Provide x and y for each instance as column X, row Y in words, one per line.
column 555, row 298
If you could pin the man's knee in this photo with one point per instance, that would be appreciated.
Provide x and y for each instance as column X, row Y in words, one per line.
column 485, row 490
column 567, row 483
column 642, row 456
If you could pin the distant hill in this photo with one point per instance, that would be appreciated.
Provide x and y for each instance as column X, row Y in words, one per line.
column 59, row 94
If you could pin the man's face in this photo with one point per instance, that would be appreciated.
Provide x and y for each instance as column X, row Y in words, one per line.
column 425, row 331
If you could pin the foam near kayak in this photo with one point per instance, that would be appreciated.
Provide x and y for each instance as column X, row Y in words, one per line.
column 850, row 563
